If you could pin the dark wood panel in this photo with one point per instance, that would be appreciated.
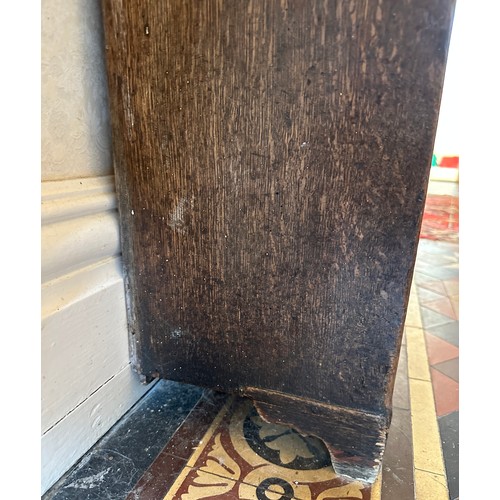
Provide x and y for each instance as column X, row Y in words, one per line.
column 272, row 161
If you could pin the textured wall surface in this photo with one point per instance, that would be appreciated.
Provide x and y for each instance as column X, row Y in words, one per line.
column 87, row 381
column 75, row 125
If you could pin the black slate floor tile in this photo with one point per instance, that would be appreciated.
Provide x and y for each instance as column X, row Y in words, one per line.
column 397, row 475
column 448, row 427
column 112, row 467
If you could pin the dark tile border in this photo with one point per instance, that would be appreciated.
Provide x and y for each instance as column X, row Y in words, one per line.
column 448, row 427
column 112, row 466
column 157, row 479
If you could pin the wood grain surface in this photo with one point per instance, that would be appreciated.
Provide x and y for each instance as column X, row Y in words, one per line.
column 272, row 160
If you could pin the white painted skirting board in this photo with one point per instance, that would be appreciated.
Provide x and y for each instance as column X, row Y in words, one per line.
column 87, row 381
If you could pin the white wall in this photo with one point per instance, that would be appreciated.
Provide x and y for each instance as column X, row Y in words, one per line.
column 449, row 134
column 87, row 382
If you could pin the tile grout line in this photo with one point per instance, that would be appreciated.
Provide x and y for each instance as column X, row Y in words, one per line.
column 426, row 439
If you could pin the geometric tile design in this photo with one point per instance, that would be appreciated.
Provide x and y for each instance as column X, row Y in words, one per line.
column 427, row 296
column 443, row 306
column 431, row 318
column 420, row 460
column 449, row 368
column 438, row 350
column 433, row 285
column 242, row 457
column 451, row 286
column 445, row 393
column 447, row 332
column 442, row 349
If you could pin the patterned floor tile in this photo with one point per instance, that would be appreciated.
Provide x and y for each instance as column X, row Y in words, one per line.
column 448, row 426
column 426, row 296
column 447, row 332
column 426, row 260
column 437, row 247
column 439, row 272
column 241, row 456
column 431, row 319
column 449, row 368
column 435, row 286
column 224, row 450
column 176, row 452
column 421, row 278
column 442, row 306
column 445, row 393
column 451, row 286
column 438, row 350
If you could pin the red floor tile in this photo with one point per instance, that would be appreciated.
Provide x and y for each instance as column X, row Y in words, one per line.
column 442, row 305
column 445, row 393
column 438, row 350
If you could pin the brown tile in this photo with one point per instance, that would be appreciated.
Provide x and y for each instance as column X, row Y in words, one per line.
column 242, row 454
column 449, row 368
column 441, row 306
column 445, row 393
column 172, row 459
column 397, row 476
column 438, row 350
column 156, row 481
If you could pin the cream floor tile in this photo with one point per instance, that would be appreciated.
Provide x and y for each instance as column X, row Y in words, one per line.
column 429, row 486
column 427, row 454
column 418, row 365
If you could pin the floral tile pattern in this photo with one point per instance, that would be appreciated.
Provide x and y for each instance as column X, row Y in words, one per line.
column 223, row 449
